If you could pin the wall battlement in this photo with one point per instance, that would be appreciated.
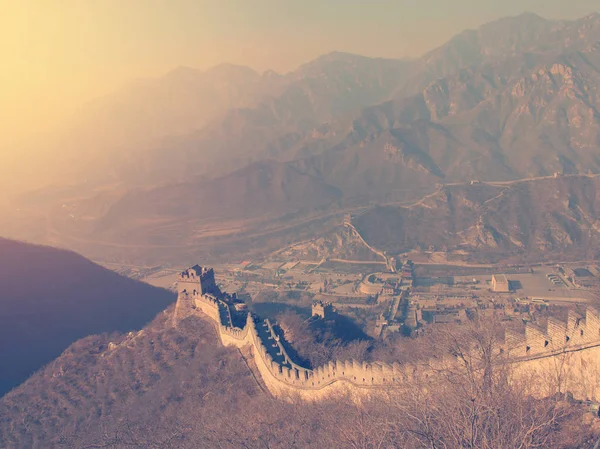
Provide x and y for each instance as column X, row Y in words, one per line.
column 200, row 280
column 277, row 364
column 281, row 375
column 577, row 332
column 322, row 309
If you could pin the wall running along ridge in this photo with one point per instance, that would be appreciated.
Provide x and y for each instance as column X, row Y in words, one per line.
column 564, row 357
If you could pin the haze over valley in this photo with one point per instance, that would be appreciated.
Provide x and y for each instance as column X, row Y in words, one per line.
column 395, row 245
column 215, row 156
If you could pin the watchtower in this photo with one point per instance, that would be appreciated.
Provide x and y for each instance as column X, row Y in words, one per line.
column 197, row 281
column 322, row 309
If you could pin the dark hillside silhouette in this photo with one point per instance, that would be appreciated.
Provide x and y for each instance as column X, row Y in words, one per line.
column 50, row 298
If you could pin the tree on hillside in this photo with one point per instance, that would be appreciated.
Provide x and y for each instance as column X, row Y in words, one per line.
column 475, row 401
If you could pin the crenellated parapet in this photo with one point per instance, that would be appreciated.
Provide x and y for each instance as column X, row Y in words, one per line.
column 276, row 364
column 359, row 374
column 283, row 376
column 197, row 280
column 576, row 333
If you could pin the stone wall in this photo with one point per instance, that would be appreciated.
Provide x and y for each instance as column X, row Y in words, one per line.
column 197, row 280
column 577, row 333
column 574, row 371
column 564, row 355
column 283, row 376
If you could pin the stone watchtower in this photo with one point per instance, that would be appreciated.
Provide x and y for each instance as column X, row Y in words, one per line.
column 197, row 281
column 322, row 309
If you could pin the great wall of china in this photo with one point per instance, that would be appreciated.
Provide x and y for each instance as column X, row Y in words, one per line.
column 566, row 355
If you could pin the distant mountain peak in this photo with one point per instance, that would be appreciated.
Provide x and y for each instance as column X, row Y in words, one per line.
column 182, row 73
column 334, row 56
column 524, row 19
column 224, row 70
column 227, row 69
column 530, row 16
column 269, row 73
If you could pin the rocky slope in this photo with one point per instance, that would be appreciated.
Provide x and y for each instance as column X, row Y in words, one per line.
column 130, row 390
column 166, row 387
column 546, row 218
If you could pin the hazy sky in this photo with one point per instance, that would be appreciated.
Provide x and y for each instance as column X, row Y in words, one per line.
column 57, row 54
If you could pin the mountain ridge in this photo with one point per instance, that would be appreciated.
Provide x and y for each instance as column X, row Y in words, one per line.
column 51, row 298
column 522, row 102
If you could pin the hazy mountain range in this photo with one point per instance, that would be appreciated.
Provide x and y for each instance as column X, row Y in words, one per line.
column 517, row 98
column 521, row 82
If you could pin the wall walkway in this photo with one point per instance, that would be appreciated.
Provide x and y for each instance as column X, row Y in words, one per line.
column 564, row 354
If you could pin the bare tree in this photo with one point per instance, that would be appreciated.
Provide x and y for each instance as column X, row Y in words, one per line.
column 472, row 401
